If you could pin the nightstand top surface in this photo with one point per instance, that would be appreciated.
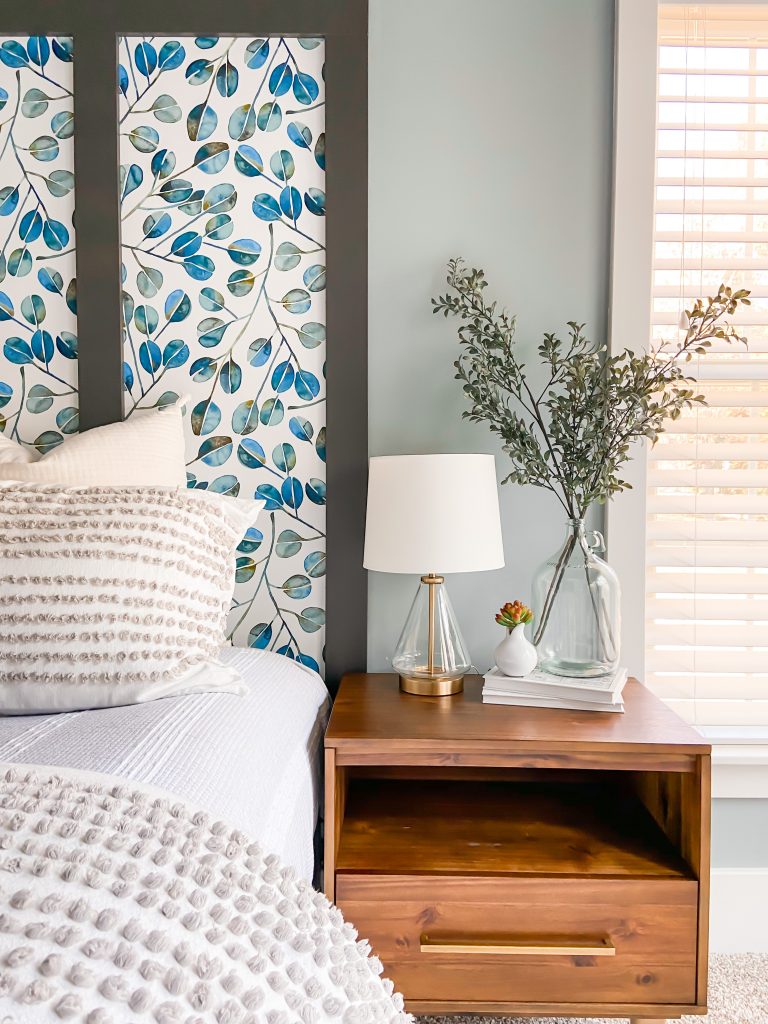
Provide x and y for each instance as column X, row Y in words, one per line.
column 370, row 711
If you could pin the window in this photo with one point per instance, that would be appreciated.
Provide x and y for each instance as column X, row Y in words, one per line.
column 706, row 484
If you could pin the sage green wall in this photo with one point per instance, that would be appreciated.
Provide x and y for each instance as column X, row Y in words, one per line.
column 490, row 137
column 740, row 833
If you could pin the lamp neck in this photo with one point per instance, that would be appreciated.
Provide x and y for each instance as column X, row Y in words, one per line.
column 432, row 580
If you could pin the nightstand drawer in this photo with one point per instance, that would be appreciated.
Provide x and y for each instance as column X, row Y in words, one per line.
column 529, row 939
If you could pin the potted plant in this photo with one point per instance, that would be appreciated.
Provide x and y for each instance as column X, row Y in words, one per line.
column 515, row 655
column 572, row 433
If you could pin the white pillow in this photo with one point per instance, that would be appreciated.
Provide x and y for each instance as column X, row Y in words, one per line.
column 114, row 595
column 147, row 448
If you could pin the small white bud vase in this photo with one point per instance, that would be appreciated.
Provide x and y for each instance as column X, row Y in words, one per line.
column 516, row 655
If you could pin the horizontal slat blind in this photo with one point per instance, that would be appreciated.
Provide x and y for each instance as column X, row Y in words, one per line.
column 707, row 482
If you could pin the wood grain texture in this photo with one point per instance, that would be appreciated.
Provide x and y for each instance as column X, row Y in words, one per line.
column 700, row 817
column 378, row 753
column 531, row 1009
column 681, row 804
column 641, row 920
column 553, row 982
column 480, row 773
column 543, row 828
column 534, row 891
column 371, row 715
column 472, row 826
column 335, row 797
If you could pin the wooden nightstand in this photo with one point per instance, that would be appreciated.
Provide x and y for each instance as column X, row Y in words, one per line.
column 519, row 860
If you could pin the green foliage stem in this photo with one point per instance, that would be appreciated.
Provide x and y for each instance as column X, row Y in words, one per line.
column 573, row 435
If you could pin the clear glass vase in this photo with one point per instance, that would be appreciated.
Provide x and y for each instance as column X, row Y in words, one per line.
column 577, row 598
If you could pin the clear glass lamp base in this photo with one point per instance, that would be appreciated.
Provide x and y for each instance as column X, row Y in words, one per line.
column 431, row 657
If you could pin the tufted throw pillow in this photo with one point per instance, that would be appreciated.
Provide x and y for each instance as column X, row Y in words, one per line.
column 147, row 449
column 114, row 595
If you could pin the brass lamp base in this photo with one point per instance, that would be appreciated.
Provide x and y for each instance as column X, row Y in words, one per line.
column 431, row 686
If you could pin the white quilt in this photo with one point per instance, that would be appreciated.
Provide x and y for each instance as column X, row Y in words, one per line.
column 119, row 906
column 253, row 760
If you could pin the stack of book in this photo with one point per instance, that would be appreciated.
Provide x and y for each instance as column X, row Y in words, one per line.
column 542, row 690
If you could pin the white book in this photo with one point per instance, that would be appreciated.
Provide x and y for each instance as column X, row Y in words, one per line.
column 601, row 689
column 527, row 701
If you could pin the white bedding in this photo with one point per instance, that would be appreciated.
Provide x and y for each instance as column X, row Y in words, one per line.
column 118, row 905
column 252, row 761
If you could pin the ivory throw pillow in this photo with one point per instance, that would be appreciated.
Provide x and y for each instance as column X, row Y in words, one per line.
column 147, row 449
column 112, row 595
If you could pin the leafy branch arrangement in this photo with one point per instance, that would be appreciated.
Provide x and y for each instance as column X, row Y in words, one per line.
column 573, row 434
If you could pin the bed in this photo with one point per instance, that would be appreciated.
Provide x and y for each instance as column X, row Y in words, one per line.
column 265, row 784
column 158, row 793
column 156, row 866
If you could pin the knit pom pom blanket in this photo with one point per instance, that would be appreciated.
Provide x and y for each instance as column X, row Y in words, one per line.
column 119, row 905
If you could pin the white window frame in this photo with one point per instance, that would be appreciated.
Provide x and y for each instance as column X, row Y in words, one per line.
column 740, row 752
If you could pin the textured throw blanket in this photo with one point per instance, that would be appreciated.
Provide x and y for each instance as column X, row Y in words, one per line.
column 122, row 906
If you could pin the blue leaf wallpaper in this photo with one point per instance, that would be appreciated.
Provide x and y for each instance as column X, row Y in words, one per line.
column 222, row 151
column 38, row 293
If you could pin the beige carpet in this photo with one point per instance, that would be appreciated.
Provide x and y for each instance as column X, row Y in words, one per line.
column 738, row 994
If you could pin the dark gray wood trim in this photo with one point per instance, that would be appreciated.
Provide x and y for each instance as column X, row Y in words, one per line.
column 347, row 352
column 96, row 24
column 187, row 17
column 97, row 229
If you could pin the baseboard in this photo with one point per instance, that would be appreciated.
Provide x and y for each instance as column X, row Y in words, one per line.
column 739, row 910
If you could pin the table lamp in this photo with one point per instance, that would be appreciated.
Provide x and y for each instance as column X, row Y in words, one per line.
column 438, row 513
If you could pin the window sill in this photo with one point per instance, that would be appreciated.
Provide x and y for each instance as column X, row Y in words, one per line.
column 739, row 761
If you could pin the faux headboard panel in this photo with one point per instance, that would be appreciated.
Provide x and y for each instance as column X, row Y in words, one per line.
column 38, row 289
column 222, row 164
column 202, row 249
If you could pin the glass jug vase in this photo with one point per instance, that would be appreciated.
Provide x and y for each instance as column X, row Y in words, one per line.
column 577, row 598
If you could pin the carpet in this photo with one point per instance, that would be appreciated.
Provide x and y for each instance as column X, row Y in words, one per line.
column 738, row 994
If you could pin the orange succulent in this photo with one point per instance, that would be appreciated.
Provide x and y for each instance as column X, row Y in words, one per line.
column 513, row 614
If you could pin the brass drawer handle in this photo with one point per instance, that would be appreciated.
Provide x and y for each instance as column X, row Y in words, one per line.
column 523, row 946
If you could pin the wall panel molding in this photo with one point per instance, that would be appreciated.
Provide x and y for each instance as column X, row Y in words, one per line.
column 96, row 26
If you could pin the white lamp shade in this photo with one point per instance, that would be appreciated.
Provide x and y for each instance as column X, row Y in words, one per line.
column 433, row 513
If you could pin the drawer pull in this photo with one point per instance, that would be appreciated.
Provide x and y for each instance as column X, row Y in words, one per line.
column 522, row 946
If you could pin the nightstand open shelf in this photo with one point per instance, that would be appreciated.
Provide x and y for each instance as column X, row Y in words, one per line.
column 504, row 828
column 520, row 860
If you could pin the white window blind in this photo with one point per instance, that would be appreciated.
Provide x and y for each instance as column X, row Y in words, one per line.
column 707, row 482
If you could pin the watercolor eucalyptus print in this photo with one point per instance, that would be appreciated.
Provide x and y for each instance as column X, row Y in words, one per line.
column 223, row 269
column 38, row 299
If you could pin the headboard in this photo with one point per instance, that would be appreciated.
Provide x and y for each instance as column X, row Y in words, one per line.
column 196, row 262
